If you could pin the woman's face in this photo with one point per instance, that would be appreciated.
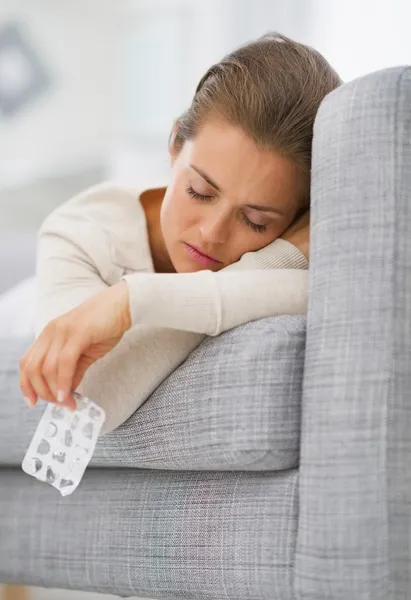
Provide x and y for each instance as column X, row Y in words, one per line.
column 226, row 197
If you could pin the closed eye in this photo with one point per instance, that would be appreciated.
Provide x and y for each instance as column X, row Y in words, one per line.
column 205, row 198
column 254, row 226
column 191, row 192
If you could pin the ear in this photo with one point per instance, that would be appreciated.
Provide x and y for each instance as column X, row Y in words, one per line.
column 172, row 149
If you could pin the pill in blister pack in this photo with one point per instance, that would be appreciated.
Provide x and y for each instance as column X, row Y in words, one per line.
column 63, row 444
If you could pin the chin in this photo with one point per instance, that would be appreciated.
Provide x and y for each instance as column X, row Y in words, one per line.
column 186, row 267
column 183, row 264
column 180, row 265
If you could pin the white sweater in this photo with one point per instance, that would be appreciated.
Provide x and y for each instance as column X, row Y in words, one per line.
column 100, row 237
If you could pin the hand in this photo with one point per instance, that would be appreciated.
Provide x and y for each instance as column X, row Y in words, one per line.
column 298, row 233
column 55, row 364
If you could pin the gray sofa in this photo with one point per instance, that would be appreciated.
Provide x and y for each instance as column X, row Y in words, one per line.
column 275, row 462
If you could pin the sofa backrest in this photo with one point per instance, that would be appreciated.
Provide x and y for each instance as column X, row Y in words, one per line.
column 355, row 474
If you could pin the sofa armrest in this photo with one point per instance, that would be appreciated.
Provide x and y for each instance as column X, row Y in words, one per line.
column 355, row 479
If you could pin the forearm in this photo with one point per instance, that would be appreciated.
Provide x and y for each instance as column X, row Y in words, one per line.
column 258, row 285
column 125, row 378
column 211, row 303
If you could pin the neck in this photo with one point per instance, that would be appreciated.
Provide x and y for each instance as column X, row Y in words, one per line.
column 151, row 201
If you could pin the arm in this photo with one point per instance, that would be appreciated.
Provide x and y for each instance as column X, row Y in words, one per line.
column 274, row 281
column 76, row 260
column 210, row 303
column 271, row 281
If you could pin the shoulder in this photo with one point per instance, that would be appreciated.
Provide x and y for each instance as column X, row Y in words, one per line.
column 106, row 202
column 106, row 219
column 107, row 209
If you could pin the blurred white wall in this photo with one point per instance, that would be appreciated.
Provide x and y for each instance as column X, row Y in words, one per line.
column 360, row 36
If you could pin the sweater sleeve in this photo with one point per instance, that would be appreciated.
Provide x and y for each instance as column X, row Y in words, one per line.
column 206, row 302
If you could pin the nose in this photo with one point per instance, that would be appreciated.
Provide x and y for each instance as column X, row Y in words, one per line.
column 214, row 229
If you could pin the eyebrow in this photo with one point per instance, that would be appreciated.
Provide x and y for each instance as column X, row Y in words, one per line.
column 265, row 208
column 216, row 187
column 206, row 178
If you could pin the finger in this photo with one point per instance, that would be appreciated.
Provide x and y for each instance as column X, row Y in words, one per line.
column 27, row 389
column 67, row 367
column 70, row 403
column 33, row 368
column 50, row 364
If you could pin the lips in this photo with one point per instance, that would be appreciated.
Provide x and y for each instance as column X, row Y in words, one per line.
column 203, row 253
column 199, row 256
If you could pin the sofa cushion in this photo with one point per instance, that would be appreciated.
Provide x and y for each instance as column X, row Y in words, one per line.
column 234, row 404
column 153, row 534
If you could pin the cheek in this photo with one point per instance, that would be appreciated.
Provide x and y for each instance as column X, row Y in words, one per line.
column 246, row 240
column 176, row 210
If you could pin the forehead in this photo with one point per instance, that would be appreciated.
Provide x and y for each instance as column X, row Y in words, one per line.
column 239, row 166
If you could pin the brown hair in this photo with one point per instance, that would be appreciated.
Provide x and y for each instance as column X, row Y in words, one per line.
column 271, row 88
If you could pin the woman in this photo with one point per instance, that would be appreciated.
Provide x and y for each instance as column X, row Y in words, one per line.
column 129, row 284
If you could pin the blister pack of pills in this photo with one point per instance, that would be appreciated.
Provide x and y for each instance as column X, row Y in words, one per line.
column 63, row 444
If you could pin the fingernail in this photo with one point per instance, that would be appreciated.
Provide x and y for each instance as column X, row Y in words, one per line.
column 29, row 402
column 60, row 397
